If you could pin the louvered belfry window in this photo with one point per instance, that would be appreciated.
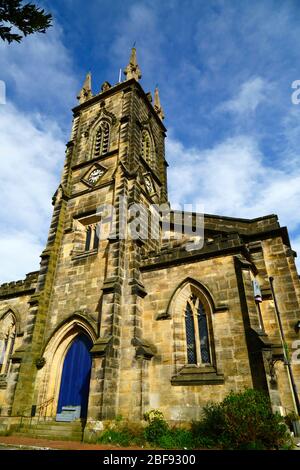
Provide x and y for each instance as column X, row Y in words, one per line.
column 197, row 333
column 146, row 146
column 101, row 144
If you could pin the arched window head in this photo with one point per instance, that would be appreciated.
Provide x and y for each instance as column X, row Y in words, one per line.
column 191, row 309
column 197, row 332
column 7, row 341
column 146, row 147
column 101, row 142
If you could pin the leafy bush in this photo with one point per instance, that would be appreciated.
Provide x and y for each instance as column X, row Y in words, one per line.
column 112, row 436
column 177, row 438
column 289, row 418
column 159, row 433
column 242, row 421
column 153, row 414
column 157, row 427
column 123, row 433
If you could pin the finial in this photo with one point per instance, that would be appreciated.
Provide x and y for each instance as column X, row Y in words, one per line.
column 157, row 105
column 132, row 70
column 86, row 91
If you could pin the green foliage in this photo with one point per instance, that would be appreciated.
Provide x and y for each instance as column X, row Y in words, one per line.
column 242, row 421
column 160, row 434
column 153, row 415
column 112, row 436
column 289, row 418
column 177, row 438
column 155, row 430
column 6, row 432
column 28, row 19
column 123, row 433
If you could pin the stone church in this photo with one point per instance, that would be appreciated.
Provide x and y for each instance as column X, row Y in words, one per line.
column 118, row 325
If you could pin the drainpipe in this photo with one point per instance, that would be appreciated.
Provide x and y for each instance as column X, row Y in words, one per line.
column 286, row 358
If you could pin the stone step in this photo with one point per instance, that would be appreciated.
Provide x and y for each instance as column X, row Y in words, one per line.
column 51, row 436
column 53, row 430
column 56, row 426
column 50, row 429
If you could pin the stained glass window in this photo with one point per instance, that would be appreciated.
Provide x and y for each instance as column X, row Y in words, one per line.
column 203, row 334
column 190, row 335
column 197, row 332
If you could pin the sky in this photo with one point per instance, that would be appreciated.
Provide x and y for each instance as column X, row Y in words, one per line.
column 225, row 70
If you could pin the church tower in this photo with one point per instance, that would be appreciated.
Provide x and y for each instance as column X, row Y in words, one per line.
column 86, row 283
column 122, row 316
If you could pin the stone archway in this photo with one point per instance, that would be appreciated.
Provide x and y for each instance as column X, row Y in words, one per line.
column 75, row 377
column 49, row 377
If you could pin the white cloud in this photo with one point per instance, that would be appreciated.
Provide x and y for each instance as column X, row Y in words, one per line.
column 31, row 152
column 41, row 88
column 139, row 26
column 223, row 176
column 19, row 253
column 232, row 178
column 252, row 93
column 38, row 71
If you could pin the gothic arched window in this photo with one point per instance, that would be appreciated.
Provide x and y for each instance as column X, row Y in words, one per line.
column 7, row 341
column 146, row 147
column 197, row 334
column 101, row 142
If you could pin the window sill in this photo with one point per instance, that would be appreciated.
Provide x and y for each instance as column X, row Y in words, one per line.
column 197, row 375
column 84, row 254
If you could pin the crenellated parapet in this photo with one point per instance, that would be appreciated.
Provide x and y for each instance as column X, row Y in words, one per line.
column 21, row 287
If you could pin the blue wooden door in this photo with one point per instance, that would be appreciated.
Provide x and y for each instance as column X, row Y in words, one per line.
column 75, row 379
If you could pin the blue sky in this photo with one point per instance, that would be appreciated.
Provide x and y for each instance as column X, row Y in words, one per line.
column 224, row 70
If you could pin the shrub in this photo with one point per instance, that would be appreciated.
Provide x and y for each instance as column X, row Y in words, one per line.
column 177, row 438
column 159, row 433
column 153, row 414
column 242, row 421
column 156, row 428
column 289, row 418
column 123, row 433
column 113, row 436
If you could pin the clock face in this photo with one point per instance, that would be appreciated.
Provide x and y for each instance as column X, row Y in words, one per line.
column 95, row 175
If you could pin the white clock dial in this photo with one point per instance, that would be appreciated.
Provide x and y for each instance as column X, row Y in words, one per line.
column 95, row 175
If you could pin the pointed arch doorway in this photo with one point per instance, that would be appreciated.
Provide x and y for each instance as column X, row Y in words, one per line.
column 76, row 373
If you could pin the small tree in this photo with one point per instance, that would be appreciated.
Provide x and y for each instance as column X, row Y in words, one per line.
column 243, row 420
column 28, row 19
